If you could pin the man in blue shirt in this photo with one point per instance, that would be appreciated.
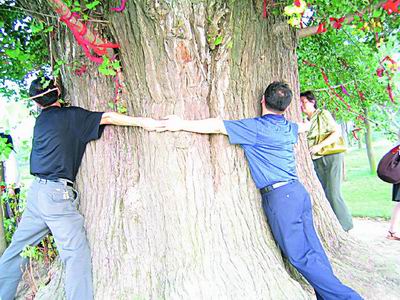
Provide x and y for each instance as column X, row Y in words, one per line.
column 268, row 143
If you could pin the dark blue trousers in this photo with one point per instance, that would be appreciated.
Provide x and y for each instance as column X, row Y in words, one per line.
column 288, row 209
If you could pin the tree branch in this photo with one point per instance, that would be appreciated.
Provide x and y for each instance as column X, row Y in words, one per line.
column 312, row 30
column 334, row 87
column 17, row 9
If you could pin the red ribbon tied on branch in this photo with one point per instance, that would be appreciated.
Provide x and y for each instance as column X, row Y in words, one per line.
column 390, row 92
column 80, row 71
column 121, row 7
column 379, row 71
column 391, row 6
column 87, row 46
column 337, row 23
column 382, row 70
column 344, row 91
column 297, row 3
column 354, row 132
column 265, row 4
column 321, row 28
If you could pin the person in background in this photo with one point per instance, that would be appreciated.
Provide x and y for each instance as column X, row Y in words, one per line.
column 329, row 168
column 11, row 178
column 395, row 219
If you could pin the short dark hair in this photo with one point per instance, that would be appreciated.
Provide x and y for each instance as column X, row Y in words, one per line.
column 310, row 97
column 278, row 96
column 40, row 86
column 9, row 141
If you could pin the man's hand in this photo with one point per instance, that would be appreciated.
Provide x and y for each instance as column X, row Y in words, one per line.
column 171, row 123
column 151, row 124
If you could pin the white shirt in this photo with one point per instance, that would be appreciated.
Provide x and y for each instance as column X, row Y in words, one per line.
column 11, row 172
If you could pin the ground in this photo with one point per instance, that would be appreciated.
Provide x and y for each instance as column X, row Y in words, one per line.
column 373, row 232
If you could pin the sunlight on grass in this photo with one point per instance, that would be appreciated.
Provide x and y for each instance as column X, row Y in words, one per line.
column 365, row 194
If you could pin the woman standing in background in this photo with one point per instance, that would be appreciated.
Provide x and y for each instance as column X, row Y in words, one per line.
column 324, row 131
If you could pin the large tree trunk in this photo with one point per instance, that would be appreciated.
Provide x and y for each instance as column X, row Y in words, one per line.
column 3, row 243
column 177, row 215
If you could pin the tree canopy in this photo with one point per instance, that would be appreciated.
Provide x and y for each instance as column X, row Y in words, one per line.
column 351, row 63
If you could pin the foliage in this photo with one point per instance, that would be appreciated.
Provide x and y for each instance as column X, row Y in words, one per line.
column 24, row 40
column 350, row 57
column 22, row 46
column 5, row 149
column 365, row 194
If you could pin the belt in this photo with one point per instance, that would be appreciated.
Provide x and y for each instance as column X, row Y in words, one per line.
column 274, row 186
column 65, row 181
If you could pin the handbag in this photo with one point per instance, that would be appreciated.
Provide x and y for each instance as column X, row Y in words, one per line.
column 389, row 166
column 336, row 147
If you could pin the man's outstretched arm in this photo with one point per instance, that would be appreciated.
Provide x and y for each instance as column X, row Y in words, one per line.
column 175, row 123
column 113, row 118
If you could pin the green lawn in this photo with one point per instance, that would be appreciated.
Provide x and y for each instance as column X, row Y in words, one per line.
column 365, row 194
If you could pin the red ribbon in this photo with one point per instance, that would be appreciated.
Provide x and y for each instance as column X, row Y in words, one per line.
column 382, row 70
column 391, row 6
column 87, row 46
column 390, row 92
column 80, row 71
column 337, row 23
column 321, row 28
column 344, row 90
column 265, row 14
column 121, row 7
column 354, row 132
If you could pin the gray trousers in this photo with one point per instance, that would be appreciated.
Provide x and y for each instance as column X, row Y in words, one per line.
column 329, row 170
column 51, row 206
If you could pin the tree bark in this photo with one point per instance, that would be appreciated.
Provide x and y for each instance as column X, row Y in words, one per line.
column 177, row 215
column 368, row 143
column 3, row 243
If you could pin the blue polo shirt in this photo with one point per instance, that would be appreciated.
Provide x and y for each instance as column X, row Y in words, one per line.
column 268, row 143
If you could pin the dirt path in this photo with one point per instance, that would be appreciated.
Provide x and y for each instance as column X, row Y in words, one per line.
column 374, row 233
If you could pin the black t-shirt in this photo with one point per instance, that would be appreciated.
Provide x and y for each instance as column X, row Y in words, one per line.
column 59, row 140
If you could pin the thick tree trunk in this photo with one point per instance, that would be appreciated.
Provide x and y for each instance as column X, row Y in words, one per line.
column 3, row 243
column 176, row 215
column 368, row 143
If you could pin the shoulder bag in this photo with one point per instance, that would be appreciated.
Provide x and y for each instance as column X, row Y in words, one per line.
column 389, row 166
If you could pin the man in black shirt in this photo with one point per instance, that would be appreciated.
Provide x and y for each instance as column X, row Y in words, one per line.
column 59, row 142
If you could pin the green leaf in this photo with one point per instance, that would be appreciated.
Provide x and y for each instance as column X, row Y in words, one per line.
column 93, row 4
column 122, row 109
column 377, row 13
column 106, row 67
column 218, row 40
column 17, row 54
column 37, row 27
column 110, row 105
column 49, row 29
column 116, row 64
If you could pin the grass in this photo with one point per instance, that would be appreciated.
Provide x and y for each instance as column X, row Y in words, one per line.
column 365, row 194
